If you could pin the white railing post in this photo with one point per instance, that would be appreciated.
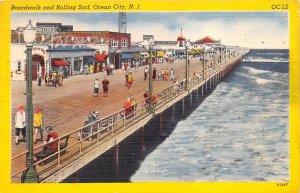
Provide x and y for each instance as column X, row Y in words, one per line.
column 80, row 141
column 124, row 119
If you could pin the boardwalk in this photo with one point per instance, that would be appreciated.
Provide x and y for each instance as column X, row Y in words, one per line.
column 67, row 107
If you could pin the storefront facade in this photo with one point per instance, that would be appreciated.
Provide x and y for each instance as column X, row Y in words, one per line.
column 73, row 56
column 18, row 61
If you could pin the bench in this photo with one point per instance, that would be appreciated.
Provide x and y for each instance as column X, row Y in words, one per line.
column 47, row 152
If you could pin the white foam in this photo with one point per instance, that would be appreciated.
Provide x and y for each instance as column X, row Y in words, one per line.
column 256, row 71
column 266, row 60
column 262, row 80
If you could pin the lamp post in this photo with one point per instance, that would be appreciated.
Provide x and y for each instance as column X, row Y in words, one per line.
column 187, row 45
column 29, row 175
column 203, row 63
column 150, row 86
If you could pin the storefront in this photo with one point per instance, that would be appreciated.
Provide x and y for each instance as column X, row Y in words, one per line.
column 18, row 61
column 75, row 56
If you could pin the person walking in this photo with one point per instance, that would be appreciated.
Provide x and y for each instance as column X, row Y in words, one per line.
column 126, row 78
column 86, row 69
column 145, row 73
column 154, row 73
column 60, row 78
column 38, row 123
column 134, row 64
column 81, row 69
column 122, row 65
column 166, row 74
column 163, row 74
column 126, row 66
column 46, row 79
column 112, row 67
column 105, row 83
column 96, row 87
column 130, row 80
column 54, row 79
column 20, row 124
column 107, row 69
column 172, row 74
column 91, row 69
column 39, row 79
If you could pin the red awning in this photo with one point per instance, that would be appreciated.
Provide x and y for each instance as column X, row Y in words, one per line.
column 101, row 57
column 60, row 63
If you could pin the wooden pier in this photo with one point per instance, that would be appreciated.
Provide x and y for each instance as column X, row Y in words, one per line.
column 110, row 130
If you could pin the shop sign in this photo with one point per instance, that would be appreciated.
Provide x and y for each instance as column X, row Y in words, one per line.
column 41, row 30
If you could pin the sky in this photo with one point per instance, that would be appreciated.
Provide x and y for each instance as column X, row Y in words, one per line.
column 245, row 29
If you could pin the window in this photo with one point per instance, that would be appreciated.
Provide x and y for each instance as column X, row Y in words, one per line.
column 124, row 42
column 114, row 43
column 19, row 67
column 78, row 63
column 181, row 44
column 67, row 59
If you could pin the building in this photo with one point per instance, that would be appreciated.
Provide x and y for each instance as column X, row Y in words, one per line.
column 64, row 44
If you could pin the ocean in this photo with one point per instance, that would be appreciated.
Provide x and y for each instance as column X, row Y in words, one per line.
column 238, row 132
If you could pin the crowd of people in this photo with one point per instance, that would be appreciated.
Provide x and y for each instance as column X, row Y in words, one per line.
column 54, row 79
column 165, row 74
column 20, row 127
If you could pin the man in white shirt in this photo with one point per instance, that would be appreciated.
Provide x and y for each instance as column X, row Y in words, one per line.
column 146, row 73
column 20, row 120
column 96, row 87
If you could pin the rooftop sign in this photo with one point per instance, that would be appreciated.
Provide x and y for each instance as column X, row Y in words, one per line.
column 41, row 30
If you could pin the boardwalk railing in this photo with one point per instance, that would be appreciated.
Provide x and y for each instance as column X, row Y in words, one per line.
column 92, row 135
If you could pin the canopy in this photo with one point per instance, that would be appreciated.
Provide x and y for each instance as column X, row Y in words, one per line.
column 195, row 51
column 160, row 54
column 137, row 55
column 60, row 63
column 179, row 51
column 127, row 56
column 101, row 57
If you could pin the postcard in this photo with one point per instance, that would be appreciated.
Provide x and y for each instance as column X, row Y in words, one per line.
column 141, row 96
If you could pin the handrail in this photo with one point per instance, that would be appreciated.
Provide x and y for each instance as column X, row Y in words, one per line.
column 120, row 119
